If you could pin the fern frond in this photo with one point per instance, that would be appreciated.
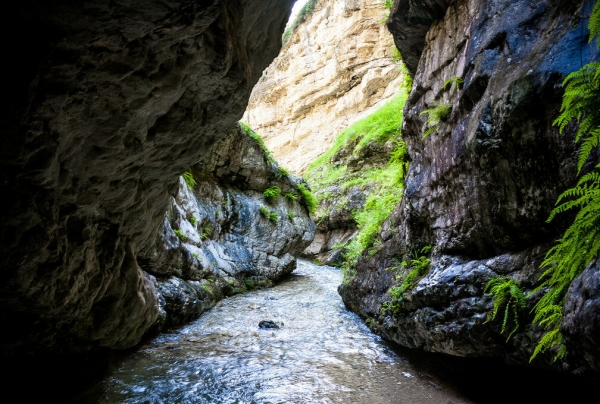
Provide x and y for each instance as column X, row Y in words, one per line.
column 594, row 24
column 589, row 144
column 580, row 243
column 508, row 295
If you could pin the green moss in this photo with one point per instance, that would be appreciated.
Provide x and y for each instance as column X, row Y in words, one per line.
column 381, row 126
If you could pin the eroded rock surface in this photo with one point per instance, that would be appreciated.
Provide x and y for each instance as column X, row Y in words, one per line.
column 110, row 102
column 224, row 244
column 480, row 188
column 336, row 69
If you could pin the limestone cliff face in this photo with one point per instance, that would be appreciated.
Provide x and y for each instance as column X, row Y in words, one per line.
column 223, row 244
column 109, row 103
column 336, row 68
column 480, row 188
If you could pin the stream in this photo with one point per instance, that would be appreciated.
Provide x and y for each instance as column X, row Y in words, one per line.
column 321, row 354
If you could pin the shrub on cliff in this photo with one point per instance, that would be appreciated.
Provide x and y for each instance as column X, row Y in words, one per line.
column 306, row 10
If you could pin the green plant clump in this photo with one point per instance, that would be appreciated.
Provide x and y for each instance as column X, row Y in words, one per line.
column 181, row 234
column 508, row 296
column 291, row 215
column 272, row 193
column 435, row 116
column 454, row 80
column 269, row 214
column 580, row 244
column 189, row 179
column 205, row 233
column 308, row 199
column 193, row 221
column 291, row 196
column 418, row 267
column 283, row 172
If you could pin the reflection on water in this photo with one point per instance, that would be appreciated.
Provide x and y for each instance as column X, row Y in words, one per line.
column 321, row 354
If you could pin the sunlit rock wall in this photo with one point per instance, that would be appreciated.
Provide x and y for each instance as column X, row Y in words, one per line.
column 336, row 68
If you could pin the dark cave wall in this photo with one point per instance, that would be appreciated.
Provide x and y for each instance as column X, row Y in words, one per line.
column 106, row 104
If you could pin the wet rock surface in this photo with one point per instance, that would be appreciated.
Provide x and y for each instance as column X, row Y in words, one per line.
column 480, row 188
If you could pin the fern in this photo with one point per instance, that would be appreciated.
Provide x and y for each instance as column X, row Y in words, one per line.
column 181, row 234
column 189, row 179
column 594, row 24
column 580, row 244
column 291, row 196
column 454, row 80
column 508, row 296
column 418, row 266
column 436, row 115
column 272, row 193
column 581, row 102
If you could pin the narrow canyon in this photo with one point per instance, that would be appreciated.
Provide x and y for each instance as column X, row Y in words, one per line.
column 170, row 168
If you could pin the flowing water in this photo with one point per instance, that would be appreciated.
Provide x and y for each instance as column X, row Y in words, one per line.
column 321, row 354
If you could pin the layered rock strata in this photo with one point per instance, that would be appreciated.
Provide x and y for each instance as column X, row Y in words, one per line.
column 110, row 101
column 480, row 188
column 336, row 69
column 215, row 241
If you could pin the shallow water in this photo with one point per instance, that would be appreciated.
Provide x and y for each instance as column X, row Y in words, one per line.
column 321, row 354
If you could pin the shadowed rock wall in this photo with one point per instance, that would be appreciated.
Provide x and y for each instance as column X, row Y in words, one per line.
column 108, row 102
column 479, row 188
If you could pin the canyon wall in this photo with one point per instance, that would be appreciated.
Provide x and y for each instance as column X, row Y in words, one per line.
column 215, row 241
column 481, row 186
column 109, row 102
column 336, row 68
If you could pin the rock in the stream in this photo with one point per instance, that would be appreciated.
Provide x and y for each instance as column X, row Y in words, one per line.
column 268, row 324
column 108, row 102
column 480, row 188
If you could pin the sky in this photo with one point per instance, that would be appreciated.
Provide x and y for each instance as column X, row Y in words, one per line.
column 297, row 6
